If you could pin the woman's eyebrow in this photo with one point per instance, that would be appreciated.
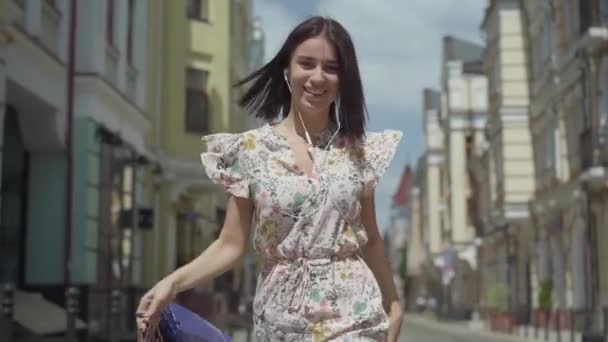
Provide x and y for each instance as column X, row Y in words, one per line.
column 310, row 58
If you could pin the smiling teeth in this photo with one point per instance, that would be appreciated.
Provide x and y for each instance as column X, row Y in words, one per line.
column 313, row 93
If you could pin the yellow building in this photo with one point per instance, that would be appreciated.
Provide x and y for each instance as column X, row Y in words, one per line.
column 198, row 51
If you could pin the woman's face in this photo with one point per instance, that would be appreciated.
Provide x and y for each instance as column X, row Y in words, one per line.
column 313, row 75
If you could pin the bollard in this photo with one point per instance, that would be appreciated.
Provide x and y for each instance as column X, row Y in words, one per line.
column 558, row 325
column 572, row 322
column 72, row 303
column 535, row 324
column 115, row 311
column 8, row 306
column 547, row 323
column 605, row 327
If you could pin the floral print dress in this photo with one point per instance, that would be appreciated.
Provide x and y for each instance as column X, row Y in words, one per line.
column 314, row 285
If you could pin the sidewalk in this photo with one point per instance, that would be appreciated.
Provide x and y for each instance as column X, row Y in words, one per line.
column 477, row 330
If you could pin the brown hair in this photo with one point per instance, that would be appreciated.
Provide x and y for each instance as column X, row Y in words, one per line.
column 268, row 94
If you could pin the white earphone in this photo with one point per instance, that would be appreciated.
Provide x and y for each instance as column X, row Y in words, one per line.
column 286, row 80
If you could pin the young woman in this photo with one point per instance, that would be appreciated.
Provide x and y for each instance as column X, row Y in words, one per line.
column 305, row 187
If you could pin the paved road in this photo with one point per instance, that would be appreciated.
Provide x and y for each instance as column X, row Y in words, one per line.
column 412, row 332
column 416, row 329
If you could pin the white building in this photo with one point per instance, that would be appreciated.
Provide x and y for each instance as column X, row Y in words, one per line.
column 93, row 70
column 508, row 232
column 463, row 118
column 434, row 167
column 569, row 73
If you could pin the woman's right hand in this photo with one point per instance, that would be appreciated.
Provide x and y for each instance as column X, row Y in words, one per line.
column 153, row 303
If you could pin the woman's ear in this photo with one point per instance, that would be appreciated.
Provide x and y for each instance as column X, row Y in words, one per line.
column 286, row 79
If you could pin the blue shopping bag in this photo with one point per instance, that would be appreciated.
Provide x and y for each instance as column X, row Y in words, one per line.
column 178, row 324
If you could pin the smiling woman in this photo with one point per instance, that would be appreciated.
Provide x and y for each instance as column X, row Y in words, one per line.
column 321, row 51
column 304, row 187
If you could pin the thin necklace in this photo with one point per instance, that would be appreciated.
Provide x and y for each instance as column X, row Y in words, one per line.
column 310, row 145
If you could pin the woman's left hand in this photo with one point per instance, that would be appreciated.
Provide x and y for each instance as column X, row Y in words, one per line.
column 395, row 316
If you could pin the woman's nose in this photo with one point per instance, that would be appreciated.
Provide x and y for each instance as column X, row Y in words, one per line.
column 318, row 75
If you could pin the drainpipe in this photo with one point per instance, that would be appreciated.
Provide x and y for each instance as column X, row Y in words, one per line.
column 67, row 239
column 158, row 143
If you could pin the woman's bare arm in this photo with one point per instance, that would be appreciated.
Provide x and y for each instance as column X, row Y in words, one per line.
column 223, row 253
column 380, row 266
column 374, row 252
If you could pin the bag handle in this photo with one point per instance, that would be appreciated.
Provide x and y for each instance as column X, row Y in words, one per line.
column 146, row 335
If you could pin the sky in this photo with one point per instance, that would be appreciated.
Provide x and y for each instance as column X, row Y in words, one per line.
column 398, row 45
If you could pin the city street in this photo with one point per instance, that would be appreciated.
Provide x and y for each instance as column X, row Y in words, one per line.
column 129, row 129
column 422, row 329
column 416, row 328
column 414, row 332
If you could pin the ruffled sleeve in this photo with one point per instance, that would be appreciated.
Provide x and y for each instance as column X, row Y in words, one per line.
column 375, row 155
column 222, row 162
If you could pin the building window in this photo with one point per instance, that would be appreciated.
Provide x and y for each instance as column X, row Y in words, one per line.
column 604, row 103
column 548, row 43
column 552, row 138
column 585, row 14
column 604, row 11
column 496, row 76
column 574, row 10
column 130, row 19
column 567, row 18
column 584, row 105
column 197, row 10
column 557, row 142
column 537, row 57
column 604, row 107
column 110, row 22
column 197, row 101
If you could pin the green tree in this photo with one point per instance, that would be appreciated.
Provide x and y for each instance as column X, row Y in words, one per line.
column 497, row 297
column 545, row 295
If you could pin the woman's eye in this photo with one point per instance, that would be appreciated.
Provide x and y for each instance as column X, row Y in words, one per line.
column 307, row 65
column 332, row 69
